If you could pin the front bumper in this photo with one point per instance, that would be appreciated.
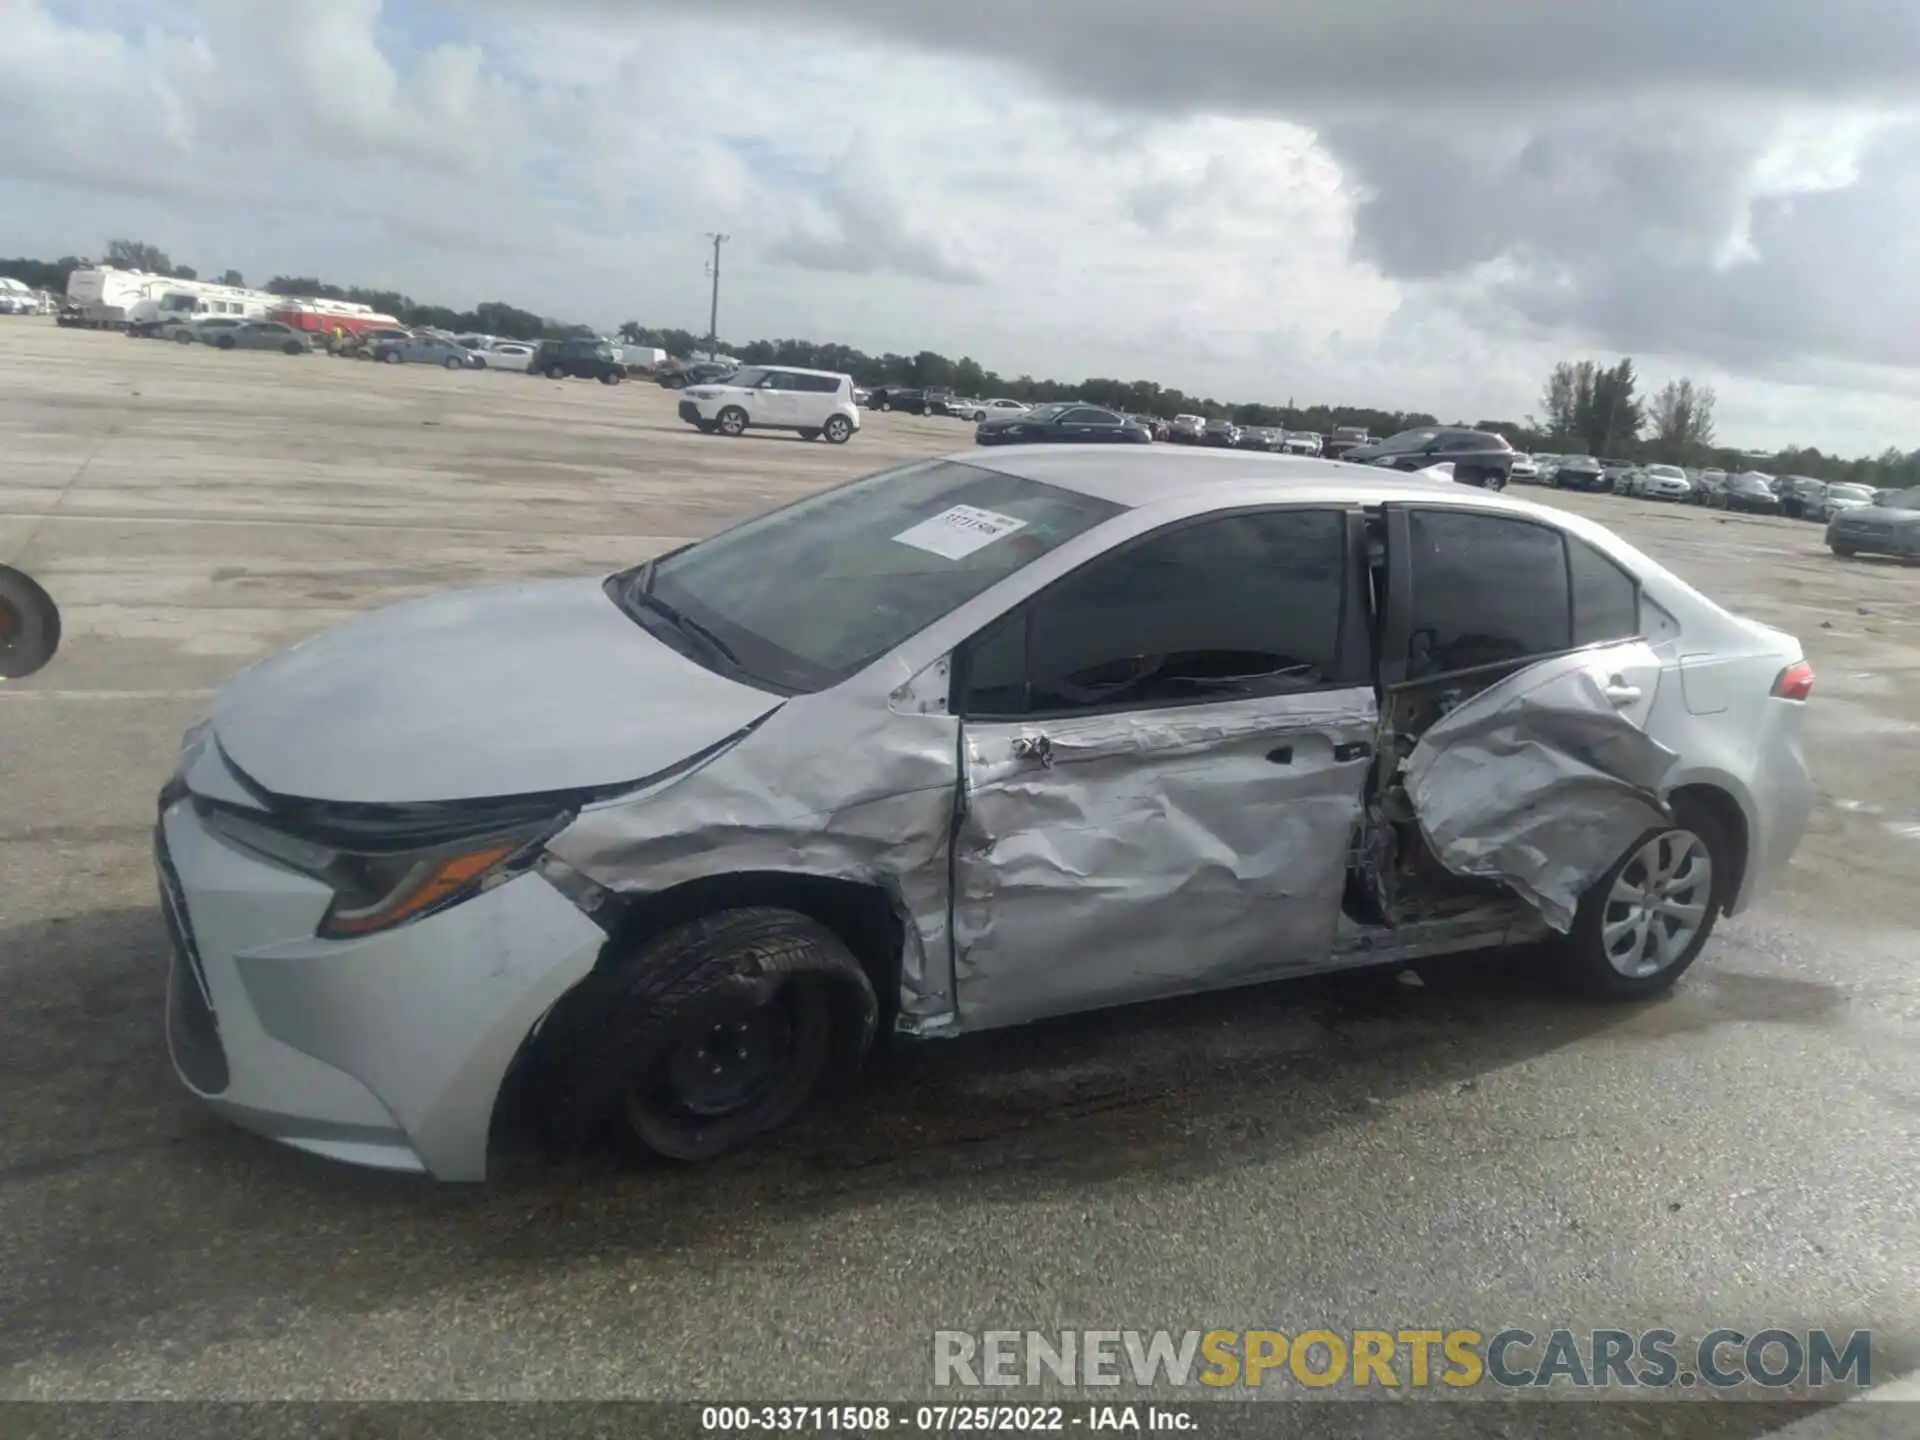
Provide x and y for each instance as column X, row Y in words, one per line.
column 1876, row 540
column 387, row 1051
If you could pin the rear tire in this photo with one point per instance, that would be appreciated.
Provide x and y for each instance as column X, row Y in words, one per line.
column 610, row 378
column 732, row 422
column 225, row 342
column 184, row 337
column 706, row 1036
column 838, row 430
column 294, row 347
column 454, row 362
column 392, row 357
column 29, row 625
column 556, row 372
column 1845, row 552
column 1622, row 949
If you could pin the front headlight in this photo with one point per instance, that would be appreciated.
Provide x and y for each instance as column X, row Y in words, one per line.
column 377, row 890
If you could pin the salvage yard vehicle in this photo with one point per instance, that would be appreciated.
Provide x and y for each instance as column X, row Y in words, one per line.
column 513, row 355
column 1188, row 429
column 1660, row 482
column 1577, row 472
column 1841, row 495
column 262, row 335
column 1478, row 457
column 1064, row 423
column 961, row 745
column 1889, row 526
column 813, row 402
column 994, row 409
column 426, row 350
column 1751, row 493
column 583, row 357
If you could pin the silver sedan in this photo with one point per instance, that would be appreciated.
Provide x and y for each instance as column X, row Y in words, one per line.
column 957, row 746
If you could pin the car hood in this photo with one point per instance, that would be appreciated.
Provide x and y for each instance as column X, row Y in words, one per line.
column 513, row 690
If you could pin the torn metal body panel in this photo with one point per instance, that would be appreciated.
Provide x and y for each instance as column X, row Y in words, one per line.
column 1540, row 782
column 831, row 786
column 1116, row 858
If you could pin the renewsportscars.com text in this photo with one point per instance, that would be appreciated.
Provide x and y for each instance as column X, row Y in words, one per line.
column 1404, row 1358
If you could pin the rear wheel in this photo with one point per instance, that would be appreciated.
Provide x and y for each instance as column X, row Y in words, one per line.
column 556, row 372
column 294, row 347
column 612, row 377
column 453, row 362
column 184, row 337
column 29, row 625
column 1845, row 552
column 838, row 429
column 706, row 1036
column 732, row 421
column 225, row 342
column 1645, row 922
column 392, row 357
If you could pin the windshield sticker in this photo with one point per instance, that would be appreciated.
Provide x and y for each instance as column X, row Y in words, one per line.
column 955, row 534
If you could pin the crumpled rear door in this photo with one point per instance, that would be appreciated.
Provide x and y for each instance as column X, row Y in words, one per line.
column 1545, row 779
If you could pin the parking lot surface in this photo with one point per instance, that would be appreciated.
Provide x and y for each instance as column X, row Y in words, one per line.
column 1365, row 1152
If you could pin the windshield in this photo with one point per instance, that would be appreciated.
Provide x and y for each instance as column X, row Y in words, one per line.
column 1569, row 461
column 1754, row 485
column 1905, row 500
column 1667, row 472
column 1849, row 492
column 811, row 594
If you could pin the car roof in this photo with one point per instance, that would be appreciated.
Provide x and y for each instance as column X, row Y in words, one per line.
column 1134, row 476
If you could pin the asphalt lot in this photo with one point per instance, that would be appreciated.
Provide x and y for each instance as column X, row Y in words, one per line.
column 1472, row 1151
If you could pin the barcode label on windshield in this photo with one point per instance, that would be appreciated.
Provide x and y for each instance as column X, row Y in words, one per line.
column 955, row 534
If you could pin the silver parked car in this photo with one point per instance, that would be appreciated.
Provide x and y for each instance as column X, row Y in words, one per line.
column 261, row 335
column 957, row 746
column 427, row 350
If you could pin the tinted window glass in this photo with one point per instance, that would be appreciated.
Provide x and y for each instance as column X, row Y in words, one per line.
column 1485, row 590
column 817, row 384
column 1465, row 443
column 1242, row 605
column 1606, row 601
column 1089, row 417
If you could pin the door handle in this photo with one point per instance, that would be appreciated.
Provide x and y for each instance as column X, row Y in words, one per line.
column 1357, row 750
column 1621, row 693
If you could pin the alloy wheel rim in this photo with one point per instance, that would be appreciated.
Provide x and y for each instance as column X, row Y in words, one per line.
column 1657, row 905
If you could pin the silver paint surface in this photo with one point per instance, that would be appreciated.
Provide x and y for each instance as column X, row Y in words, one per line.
column 1539, row 782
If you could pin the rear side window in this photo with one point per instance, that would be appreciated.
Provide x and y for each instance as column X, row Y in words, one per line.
column 816, row 384
column 1228, row 608
column 1606, row 600
column 1488, row 589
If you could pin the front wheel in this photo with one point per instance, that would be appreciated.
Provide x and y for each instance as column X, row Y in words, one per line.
column 884, row 405
column 184, row 337
column 294, row 347
column 706, row 1036
column 392, row 357
column 732, row 422
column 556, row 372
column 612, row 377
column 1645, row 922
column 838, row 430
column 225, row 342
column 673, row 382
column 1845, row 552
column 453, row 362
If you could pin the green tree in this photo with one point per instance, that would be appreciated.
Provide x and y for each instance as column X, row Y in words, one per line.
column 1681, row 414
column 233, row 278
column 139, row 255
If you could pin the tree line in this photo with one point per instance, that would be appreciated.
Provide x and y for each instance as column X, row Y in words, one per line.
column 1586, row 406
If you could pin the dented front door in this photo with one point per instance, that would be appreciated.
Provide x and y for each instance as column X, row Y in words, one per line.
column 1113, row 858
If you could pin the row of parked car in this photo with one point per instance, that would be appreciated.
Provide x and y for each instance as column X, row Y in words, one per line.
column 1798, row 497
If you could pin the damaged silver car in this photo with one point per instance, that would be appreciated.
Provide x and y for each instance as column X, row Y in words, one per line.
column 961, row 745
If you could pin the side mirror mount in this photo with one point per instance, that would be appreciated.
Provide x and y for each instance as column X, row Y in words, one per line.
column 29, row 625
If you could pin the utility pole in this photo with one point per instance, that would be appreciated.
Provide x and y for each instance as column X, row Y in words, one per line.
column 713, row 315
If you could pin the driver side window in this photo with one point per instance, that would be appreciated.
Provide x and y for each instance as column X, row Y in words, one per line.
column 1224, row 609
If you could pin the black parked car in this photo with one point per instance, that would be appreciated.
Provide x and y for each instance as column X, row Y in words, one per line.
column 1889, row 526
column 1800, row 496
column 1343, row 440
column 1064, row 423
column 584, row 358
column 1220, row 433
column 898, row 397
column 1478, row 457
column 1579, row 472
column 940, row 402
column 703, row 372
column 1749, row 493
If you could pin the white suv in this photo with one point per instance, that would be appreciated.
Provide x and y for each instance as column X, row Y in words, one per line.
column 814, row 402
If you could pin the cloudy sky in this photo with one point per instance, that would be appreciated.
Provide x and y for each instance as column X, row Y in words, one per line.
column 1409, row 203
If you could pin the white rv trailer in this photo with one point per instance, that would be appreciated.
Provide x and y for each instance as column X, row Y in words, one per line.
column 111, row 298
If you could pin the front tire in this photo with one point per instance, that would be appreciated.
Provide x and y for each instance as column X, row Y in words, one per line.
column 556, row 372
column 392, row 357
column 225, row 342
column 1646, row 920
column 1845, row 552
column 610, row 378
column 453, row 362
column 183, row 337
column 732, row 422
column 838, row 430
column 707, row 1036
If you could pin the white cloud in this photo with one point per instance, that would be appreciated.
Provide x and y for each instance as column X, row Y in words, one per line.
column 1244, row 227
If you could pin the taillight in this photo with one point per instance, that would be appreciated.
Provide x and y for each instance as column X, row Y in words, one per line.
column 1795, row 682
